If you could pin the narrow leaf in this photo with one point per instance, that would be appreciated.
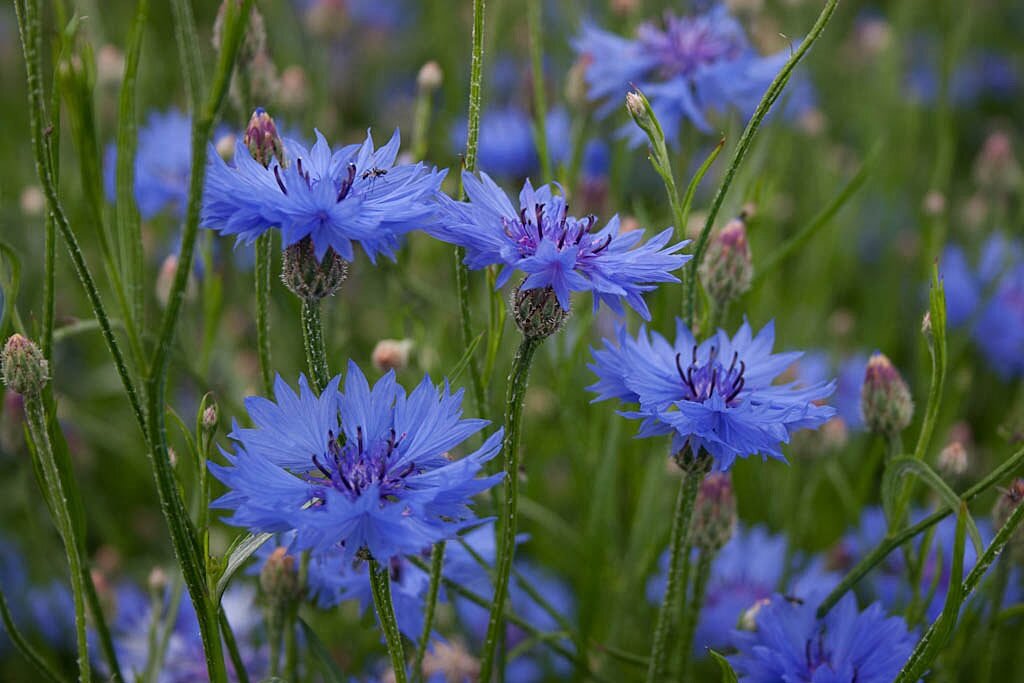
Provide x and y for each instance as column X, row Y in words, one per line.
column 239, row 551
column 728, row 673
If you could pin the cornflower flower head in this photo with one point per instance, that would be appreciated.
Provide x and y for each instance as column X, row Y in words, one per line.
column 749, row 569
column 816, row 366
column 163, row 165
column 365, row 470
column 717, row 395
column 554, row 249
column 688, row 67
column 789, row 643
column 353, row 194
column 507, row 148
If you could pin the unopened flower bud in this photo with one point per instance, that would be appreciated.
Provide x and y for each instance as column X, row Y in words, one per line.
column 165, row 280
column 638, row 108
column 430, row 77
column 1008, row 501
column 537, row 313
column 452, row 661
column 576, row 83
column 308, row 278
column 25, row 370
column 157, row 581
column 254, row 41
column 225, row 146
column 934, row 203
column 391, row 354
column 293, row 91
column 32, row 201
column 109, row 66
column 996, row 167
column 262, row 140
column 748, row 620
column 211, row 417
column 953, row 459
column 727, row 269
column 884, row 398
column 279, row 578
column 714, row 513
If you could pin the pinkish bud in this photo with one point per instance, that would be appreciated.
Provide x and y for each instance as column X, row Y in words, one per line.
column 885, row 398
column 391, row 354
column 727, row 269
column 953, row 460
column 262, row 140
column 714, row 513
column 25, row 370
column 429, row 77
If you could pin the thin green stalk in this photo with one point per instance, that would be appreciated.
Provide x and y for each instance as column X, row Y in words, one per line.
column 264, row 257
column 421, row 123
column 436, row 567
column 517, row 381
column 313, row 340
column 999, row 585
column 476, row 67
column 743, row 146
column 25, row 647
column 380, row 582
column 535, row 28
column 232, row 647
column 49, row 275
column 690, row 613
column 895, row 539
column 681, row 516
column 35, row 416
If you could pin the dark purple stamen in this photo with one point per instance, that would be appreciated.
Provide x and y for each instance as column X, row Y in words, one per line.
column 346, row 184
column 710, row 378
column 277, row 175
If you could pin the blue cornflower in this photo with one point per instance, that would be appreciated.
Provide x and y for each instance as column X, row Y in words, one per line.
column 748, row 569
column 163, row 164
column 846, row 646
column 694, row 65
column 816, row 367
column 354, row 194
column 375, row 478
column 507, row 148
column 716, row 395
column 555, row 249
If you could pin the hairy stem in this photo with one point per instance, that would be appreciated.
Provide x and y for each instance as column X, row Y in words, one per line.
column 436, row 567
column 380, row 582
column 313, row 340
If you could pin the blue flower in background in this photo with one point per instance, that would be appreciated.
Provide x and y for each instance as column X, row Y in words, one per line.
column 163, row 164
column 980, row 75
column 692, row 66
column 553, row 248
column 507, row 148
column 363, row 470
column 354, row 194
column 846, row 646
column 749, row 568
column 816, row 367
column 717, row 395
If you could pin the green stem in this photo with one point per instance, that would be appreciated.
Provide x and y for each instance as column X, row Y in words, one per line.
column 25, row 647
column 743, row 146
column 380, row 582
column 999, row 584
column 421, row 123
column 232, row 647
column 264, row 256
column 49, row 277
column 436, row 567
column 313, row 340
column 895, row 540
column 517, row 381
column 535, row 28
column 35, row 416
column 691, row 612
column 678, row 541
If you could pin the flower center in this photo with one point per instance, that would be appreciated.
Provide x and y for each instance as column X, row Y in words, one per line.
column 687, row 43
column 353, row 466
column 710, row 378
column 561, row 229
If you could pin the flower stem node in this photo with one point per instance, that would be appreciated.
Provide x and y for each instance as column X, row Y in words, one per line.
column 693, row 465
column 537, row 313
column 728, row 271
column 308, row 278
column 885, row 399
column 25, row 370
column 714, row 515
column 262, row 139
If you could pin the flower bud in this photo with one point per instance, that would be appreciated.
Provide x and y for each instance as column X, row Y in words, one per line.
column 25, row 370
column 157, row 581
column 576, row 83
column 308, row 278
column 254, row 42
column 727, row 270
column 109, row 66
column 884, row 398
column 32, row 201
column 211, row 418
column 714, row 513
column 452, row 661
column 165, row 280
column 294, row 88
column 953, row 460
column 1008, row 501
column 430, row 77
column 638, row 108
column 934, row 203
column 391, row 354
column 996, row 168
column 262, row 140
column 279, row 579
column 225, row 146
column 537, row 313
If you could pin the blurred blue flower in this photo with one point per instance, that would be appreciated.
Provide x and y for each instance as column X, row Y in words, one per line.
column 816, row 367
column 354, row 194
column 163, row 164
column 846, row 646
column 716, row 395
column 377, row 478
column 980, row 75
column 748, row 569
column 507, row 148
column 696, row 64
column 553, row 248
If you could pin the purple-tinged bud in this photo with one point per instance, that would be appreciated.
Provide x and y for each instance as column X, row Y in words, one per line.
column 537, row 313
column 279, row 579
column 211, row 418
column 310, row 279
column 1009, row 500
column 714, row 513
column 953, row 460
column 452, row 661
column 727, row 269
column 157, row 582
column 25, row 370
column 294, row 88
column 254, row 42
column 884, row 398
column 262, row 140
column 430, row 77
column 391, row 354
column 109, row 66
column 996, row 168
